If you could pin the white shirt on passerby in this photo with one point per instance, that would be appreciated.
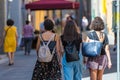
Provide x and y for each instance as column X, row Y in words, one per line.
column 84, row 23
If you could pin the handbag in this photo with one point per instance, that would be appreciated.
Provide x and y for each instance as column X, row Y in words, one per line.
column 92, row 48
column 22, row 42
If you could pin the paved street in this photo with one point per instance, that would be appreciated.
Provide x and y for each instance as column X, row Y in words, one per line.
column 22, row 69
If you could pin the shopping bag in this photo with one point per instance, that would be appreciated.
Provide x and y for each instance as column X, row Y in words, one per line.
column 22, row 42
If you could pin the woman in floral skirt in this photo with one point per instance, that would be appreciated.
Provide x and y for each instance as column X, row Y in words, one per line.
column 48, row 70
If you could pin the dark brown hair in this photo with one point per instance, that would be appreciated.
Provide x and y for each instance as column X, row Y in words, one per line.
column 70, row 18
column 49, row 25
column 70, row 31
column 27, row 21
column 10, row 22
column 97, row 24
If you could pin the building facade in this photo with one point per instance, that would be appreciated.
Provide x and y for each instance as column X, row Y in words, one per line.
column 2, row 22
column 15, row 9
column 10, row 9
column 103, row 8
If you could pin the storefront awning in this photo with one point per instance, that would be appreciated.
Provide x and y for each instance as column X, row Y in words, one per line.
column 52, row 5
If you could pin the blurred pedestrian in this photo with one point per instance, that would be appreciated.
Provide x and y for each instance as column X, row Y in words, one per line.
column 115, row 41
column 10, row 41
column 42, row 29
column 56, row 20
column 48, row 70
column 69, row 18
column 114, row 29
column 97, row 65
column 28, row 35
column 64, row 21
column 71, row 40
column 84, row 23
column 34, row 42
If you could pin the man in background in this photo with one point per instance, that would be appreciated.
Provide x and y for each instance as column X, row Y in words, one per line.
column 42, row 25
column 84, row 23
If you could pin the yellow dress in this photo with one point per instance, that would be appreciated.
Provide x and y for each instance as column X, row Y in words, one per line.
column 10, row 39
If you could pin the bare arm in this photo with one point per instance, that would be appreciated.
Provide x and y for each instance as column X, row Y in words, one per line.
column 38, row 45
column 61, row 48
column 58, row 47
column 108, row 56
column 16, row 35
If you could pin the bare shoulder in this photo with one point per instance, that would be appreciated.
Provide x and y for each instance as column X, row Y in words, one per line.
column 57, row 36
column 85, row 36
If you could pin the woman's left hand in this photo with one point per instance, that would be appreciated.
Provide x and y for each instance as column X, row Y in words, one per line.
column 109, row 64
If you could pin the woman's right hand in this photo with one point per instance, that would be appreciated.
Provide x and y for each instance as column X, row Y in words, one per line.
column 60, row 64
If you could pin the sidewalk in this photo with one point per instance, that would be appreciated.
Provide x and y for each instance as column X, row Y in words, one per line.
column 110, row 76
column 3, row 58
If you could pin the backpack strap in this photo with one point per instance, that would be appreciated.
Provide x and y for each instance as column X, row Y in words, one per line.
column 52, row 36
column 42, row 39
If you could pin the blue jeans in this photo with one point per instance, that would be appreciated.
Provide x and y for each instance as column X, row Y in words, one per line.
column 28, row 44
column 72, row 70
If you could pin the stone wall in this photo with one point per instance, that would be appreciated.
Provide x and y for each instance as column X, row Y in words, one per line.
column 2, row 21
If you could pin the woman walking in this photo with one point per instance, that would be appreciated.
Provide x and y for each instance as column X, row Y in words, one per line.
column 48, row 70
column 10, row 42
column 28, row 37
column 97, row 65
column 71, row 40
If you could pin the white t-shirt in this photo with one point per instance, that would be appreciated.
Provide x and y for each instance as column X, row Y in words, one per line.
column 84, row 22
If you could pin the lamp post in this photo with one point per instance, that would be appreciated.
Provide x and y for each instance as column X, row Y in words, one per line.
column 118, row 37
column 9, row 7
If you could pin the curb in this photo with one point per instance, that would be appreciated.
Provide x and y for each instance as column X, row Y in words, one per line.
column 111, row 76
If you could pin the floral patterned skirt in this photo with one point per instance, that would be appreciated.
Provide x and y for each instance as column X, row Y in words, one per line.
column 47, row 70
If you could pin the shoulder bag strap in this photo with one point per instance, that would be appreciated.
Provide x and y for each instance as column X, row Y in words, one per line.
column 7, row 31
column 94, row 37
column 52, row 36
column 101, row 36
